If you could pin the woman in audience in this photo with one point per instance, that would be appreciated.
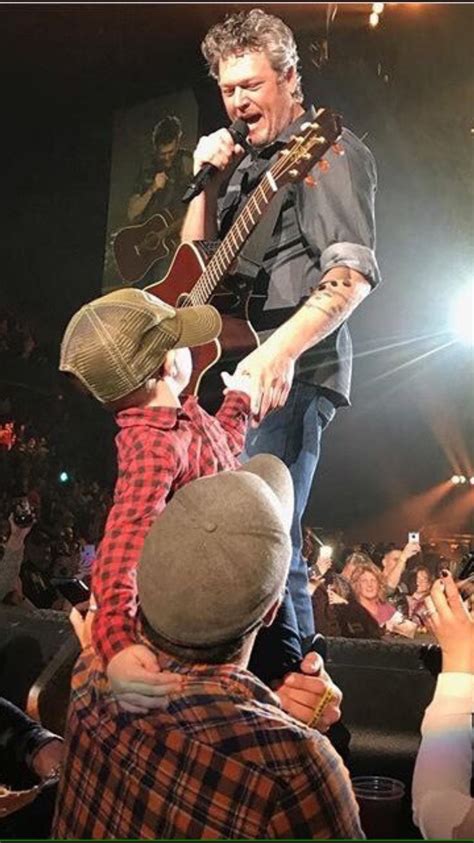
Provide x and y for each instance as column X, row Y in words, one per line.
column 338, row 613
column 352, row 562
column 442, row 803
column 369, row 587
column 422, row 587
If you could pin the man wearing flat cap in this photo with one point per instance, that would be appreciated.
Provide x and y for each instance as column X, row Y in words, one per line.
column 223, row 760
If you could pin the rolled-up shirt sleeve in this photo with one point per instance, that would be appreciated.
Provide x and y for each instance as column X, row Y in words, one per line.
column 338, row 212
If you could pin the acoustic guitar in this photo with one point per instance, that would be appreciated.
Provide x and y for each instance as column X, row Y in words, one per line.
column 196, row 277
column 137, row 248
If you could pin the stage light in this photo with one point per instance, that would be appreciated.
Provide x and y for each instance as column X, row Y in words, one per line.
column 462, row 314
column 378, row 8
column 374, row 19
column 455, row 479
column 471, row 481
column 63, row 477
column 462, row 479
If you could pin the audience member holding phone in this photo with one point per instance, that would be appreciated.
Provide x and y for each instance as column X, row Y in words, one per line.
column 442, row 802
column 394, row 562
column 73, row 589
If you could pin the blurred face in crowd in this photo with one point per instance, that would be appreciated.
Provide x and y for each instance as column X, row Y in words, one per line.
column 390, row 560
column 423, row 581
column 40, row 554
column 165, row 154
column 253, row 91
column 67, row 534
column 368, row 586
column 353, row 561
column 348, row 570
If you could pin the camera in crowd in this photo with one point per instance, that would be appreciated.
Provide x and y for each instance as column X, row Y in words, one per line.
column 24, row 514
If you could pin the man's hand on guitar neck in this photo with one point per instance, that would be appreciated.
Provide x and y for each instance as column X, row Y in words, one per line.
column 271, row 372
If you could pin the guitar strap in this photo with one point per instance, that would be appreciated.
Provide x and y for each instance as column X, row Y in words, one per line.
column 249, row 261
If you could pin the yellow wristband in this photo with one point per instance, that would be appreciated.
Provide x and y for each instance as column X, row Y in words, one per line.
column 323, row 703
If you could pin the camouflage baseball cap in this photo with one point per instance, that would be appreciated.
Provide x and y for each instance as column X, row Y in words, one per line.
column 115, row 343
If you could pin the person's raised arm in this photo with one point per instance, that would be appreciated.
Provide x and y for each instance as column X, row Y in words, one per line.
column 442, row 802
column 132, row 668
column 396, row 571
column 13, row 557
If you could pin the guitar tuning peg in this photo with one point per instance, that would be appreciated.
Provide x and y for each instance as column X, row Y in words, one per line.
column 310, row 181
column 323, row 165
column 337, row 148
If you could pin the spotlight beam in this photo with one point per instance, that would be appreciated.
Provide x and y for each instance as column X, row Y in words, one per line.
column 399, row 344
column 412, row 362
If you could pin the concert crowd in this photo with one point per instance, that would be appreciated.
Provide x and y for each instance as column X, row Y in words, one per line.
column 52, row 521
column 210, row 676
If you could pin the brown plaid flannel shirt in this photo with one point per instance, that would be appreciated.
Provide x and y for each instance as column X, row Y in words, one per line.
column 223, row 761
column 159, row 450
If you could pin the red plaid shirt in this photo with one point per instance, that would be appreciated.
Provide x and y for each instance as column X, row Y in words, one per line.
column 159, row 450
column 224, row 761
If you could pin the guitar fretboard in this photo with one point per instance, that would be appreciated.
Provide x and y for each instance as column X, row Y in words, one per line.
column 235, row 239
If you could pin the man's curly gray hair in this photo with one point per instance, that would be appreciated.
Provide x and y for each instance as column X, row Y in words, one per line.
column 253, row 31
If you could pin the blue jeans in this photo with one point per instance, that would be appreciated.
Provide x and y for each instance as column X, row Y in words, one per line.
column 294, row 435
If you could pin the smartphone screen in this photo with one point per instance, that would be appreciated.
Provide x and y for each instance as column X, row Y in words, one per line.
column 88, row 554
column 74, row 590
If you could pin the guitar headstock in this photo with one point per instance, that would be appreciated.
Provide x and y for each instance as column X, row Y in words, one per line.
column 306, row 148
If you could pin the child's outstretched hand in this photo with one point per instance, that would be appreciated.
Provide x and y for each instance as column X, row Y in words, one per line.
column 138, row 682
column 240, row 383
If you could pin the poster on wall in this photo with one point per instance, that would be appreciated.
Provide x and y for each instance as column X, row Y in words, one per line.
column 151, row 167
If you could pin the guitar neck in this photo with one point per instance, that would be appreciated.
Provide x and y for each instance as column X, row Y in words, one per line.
column 235, row 239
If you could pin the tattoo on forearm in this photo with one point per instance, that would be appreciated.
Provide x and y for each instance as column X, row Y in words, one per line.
column 323, row 298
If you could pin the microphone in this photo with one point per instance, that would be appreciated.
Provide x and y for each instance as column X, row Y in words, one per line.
column 239, row 131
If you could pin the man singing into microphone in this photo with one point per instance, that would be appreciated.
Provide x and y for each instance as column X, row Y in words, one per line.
column 319, row 262
column 161, row 181
column 159, row 185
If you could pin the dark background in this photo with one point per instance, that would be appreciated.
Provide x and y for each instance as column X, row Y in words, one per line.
column 407, row 86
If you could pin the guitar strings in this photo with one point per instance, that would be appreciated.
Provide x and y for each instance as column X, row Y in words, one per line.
column 225, row 254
